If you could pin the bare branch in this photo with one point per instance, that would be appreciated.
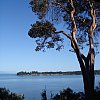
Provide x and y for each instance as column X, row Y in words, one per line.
column 93, row 25
column 63, row 32
column 73, row 21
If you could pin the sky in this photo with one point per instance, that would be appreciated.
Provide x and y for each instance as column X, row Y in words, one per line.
column 17, row 49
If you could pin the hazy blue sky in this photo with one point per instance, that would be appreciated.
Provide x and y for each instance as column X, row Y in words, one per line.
column 17, row 48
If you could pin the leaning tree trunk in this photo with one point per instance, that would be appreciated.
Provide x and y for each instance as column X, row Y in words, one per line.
column 87, row 68
column 89, row 62
column 86, row 63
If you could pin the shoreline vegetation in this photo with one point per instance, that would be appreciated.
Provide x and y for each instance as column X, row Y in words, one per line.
column 69, row 94
column 5, row 94
column 36, row 73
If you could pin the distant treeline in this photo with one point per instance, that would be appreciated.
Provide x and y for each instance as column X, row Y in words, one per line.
column 36, row 73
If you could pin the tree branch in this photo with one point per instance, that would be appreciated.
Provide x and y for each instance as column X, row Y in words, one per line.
column 83, row 57
column 74, row 42
column 67, row 35
column 73, row 20
column 93, row 25
column 91, row 53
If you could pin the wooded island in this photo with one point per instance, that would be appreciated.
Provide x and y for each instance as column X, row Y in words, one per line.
column 36, row 73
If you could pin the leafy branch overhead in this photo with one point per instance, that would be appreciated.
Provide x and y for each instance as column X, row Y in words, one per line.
column 60, row 11
column 82, row 19
column 46, row 36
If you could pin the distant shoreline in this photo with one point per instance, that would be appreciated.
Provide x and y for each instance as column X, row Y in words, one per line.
column 36, row 73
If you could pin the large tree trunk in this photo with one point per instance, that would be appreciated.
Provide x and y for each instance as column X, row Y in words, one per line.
column 86, row 63
column 88, row 75
column 87, row 68
column 88, row 86
column 89, row 60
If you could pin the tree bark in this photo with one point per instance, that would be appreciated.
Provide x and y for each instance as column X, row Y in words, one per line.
column 86, row 63
column 89, row 78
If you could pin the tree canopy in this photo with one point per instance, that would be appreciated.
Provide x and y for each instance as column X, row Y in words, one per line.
column 51, row 11
column 82, row 19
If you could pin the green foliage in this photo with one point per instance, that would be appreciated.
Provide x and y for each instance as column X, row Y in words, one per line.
column 59, row 11
column 43, row 94
column 7, row 95
column 39, row 7
column 45, row 35
column 41, row 29
column 69, row 94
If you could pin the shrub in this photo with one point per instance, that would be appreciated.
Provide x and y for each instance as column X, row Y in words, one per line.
column 5, row 94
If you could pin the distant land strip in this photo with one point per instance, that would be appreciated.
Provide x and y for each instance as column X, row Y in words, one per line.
column 36, row 73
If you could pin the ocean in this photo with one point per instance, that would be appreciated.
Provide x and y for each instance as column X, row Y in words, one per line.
column 32, row 86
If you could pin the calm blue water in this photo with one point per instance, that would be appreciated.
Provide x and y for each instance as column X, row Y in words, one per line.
column 32, row 86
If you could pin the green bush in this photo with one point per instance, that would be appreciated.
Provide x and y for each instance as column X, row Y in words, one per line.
column 68, row 94
column 5, row 94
